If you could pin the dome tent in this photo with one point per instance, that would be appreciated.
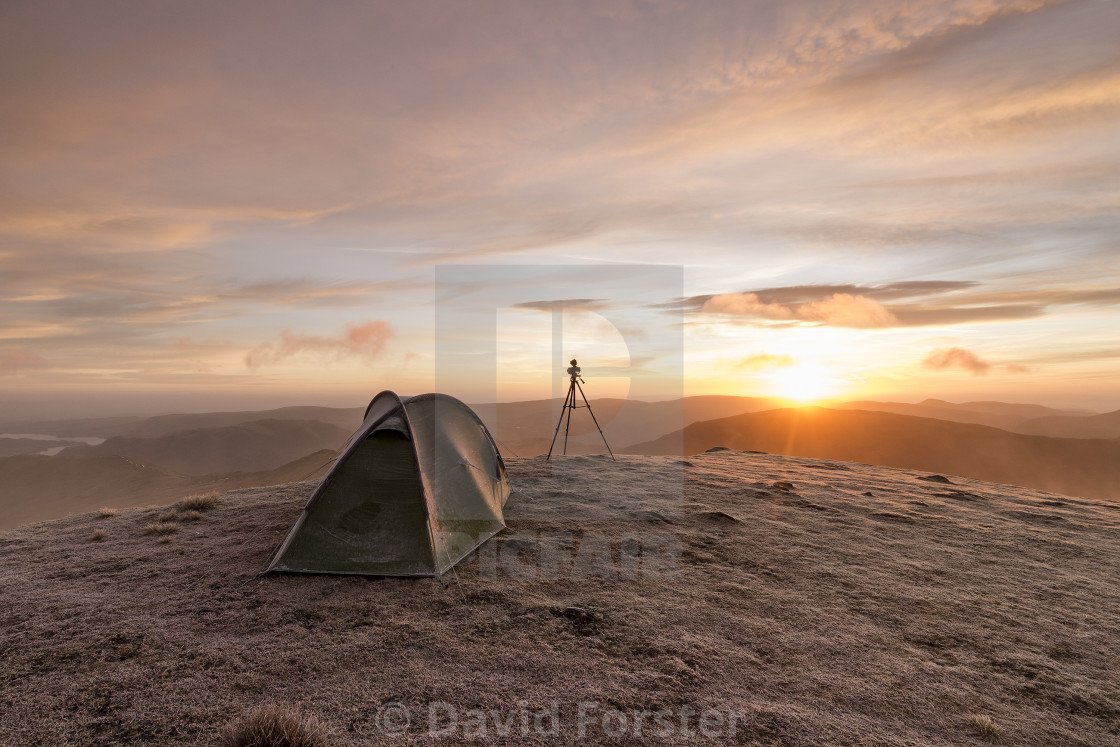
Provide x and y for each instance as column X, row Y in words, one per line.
column 417, row 488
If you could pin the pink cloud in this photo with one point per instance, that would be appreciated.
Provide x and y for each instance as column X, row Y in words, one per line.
column 745, row 304
column 846, row 310
column 946, row 358
column 14, row 361
column 357, row 340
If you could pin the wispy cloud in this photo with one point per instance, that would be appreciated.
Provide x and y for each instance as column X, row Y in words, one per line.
column 837, row 310
column 901, row 304
column 937, row 315
column 948, row 358
column 800, row 294
column 363, row 341
column 573, row 304
column 309, row 292
column 762, row 362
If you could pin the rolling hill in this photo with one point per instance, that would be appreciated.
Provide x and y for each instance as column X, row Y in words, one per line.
column 1106, row 425
column 246, row 447
column 347, row 418
column 527, row 428
column 43, row 488
column 1006, row 416
column 13, row 446
column 177, row 450
column 1089, row 467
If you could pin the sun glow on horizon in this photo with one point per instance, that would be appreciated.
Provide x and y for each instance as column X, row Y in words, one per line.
column 804, row 382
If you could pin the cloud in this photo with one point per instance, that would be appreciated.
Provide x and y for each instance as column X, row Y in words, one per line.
column 888, row 292
column 837, row 310
column 846, row 310
column 1017, row 368
column 361, row 341
column 936, row 315
column 1078, row 356
column 818, row 139
column 943, row 359
column 308, row 292
column 762, row 362
column 14, row 361
column 582, row 304
column 792, row 294
column 903, row 304
column 745, row 304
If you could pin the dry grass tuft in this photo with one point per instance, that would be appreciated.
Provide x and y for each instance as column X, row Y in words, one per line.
column 161, row 527
column 105, row 513
column 275, row 726
column 98, row 535
column 190, row 516
column 202, row 502
column 168, row 515
column 985, row 727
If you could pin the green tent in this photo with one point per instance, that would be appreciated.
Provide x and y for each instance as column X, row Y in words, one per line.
column 417, row 489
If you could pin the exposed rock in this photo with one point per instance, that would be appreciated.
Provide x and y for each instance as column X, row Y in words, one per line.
column 720, row 516
column 936, row 478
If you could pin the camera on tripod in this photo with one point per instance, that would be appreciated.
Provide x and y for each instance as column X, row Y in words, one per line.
column 570, row 406
column 573, row 371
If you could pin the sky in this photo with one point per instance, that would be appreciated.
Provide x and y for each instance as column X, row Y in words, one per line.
column 213, row 205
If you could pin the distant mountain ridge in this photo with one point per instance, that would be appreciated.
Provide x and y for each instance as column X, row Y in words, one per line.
column 247, row 447
column 527, row 428
column 13, row 446
column 1004, row 415
column 1009, row 409
column 1106, row 425
column 1088, row 467
column 182, row 451
column 163, row 425
column 625, row 420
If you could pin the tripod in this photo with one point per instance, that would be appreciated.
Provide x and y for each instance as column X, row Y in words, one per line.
column 569, row 405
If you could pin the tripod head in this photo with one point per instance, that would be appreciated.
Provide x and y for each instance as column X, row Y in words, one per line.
column 573, row 371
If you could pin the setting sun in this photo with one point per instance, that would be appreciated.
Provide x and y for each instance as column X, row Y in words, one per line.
column 804, row 382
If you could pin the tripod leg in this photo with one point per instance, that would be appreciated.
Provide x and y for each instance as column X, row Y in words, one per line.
column 571, row 407
column 594, row 419
column 558, row 422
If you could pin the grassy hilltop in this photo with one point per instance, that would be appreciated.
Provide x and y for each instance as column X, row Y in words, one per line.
column 813, row 602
